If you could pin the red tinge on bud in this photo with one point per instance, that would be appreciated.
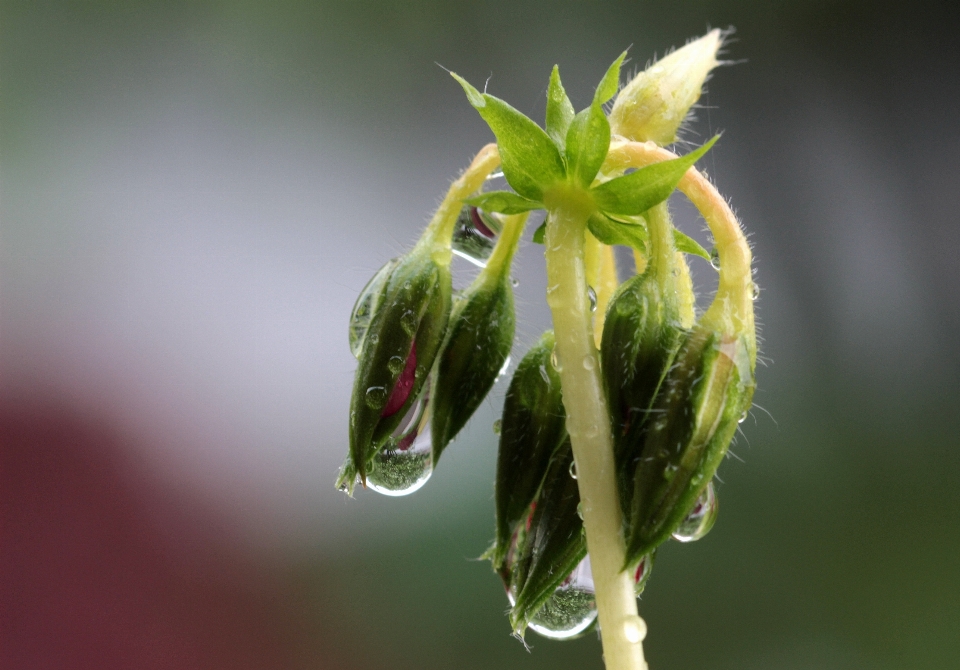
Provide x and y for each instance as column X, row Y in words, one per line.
column 401, row 391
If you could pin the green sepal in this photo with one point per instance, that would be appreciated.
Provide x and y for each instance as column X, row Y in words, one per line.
column 411, row 319
column 530, row 160
column 554, row 544
column 559, row 110
column 613, row 232
column 478, row 342
column 693, row 419
column 503, row 202
column 540, row 233
column 641, row 332
column 688, row 245
column 588, row 138
column 638, row 191
column 532, row 428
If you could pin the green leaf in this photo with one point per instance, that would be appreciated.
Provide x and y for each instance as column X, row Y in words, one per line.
column 613, row 232
column 540, row 232
column 531, row 161
column 588, row 141
column 504, row 202
column 559, row 110
column 638, row 191
column 688, row 245
column 610, row 83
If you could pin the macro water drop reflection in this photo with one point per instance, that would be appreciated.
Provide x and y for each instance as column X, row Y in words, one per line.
column 571, row 609
column 701, row 518
column 475, row 235
column 405, row 464
column 366, row 306
column 592, row 295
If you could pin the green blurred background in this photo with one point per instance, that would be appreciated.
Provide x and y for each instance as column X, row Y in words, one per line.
column 192, row 195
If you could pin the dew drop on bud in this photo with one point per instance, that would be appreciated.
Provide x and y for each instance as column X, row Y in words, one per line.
column 406, row 462
column 376, row 396
column 474, row 235
column 409, row 322
column 366, row 306
column 395, row 365
column 593, row 298
column 701, row 519
column 497, row 425
column 715, row 259
column 572, row 607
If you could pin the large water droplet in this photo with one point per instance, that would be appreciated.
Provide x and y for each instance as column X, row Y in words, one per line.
column 592, row 295
column 715, row 259
column 376, row 396
column 475, row 235
column 406, row 462
column 571, row 609
column 701, row 519
column 366, row 306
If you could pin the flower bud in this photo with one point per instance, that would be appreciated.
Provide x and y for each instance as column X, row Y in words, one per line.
column 693, row 418
column 655, row 103
column 477, row 346
column 397, row 351
column 531, row 430
column 640, row 335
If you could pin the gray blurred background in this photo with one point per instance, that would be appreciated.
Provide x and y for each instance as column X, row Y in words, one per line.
column 193, row 193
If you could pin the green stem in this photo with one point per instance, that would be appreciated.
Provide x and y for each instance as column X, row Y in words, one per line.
column 502, row 255
column 589, row 427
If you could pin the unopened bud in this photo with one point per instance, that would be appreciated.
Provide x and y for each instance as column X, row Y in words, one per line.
column 655, row 103
column 693, row 419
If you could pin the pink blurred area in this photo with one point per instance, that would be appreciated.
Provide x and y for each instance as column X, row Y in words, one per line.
column 102, row 566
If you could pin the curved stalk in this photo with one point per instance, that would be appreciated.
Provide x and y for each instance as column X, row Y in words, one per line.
column 589, row 427
column 732, row 307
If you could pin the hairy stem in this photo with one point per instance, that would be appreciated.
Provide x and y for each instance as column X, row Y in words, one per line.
column 589, row 427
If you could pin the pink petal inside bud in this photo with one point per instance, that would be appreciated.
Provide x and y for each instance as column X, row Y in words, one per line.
column 401, row 391
column 640, row 570
column 479, row 224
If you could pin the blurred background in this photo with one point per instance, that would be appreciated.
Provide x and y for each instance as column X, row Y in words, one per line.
column 192, row 195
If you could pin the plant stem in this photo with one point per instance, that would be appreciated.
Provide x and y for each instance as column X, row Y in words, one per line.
column 589, row 427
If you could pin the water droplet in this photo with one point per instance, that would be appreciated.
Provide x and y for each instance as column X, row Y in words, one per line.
column 475, row 235
column 571, row 609
column 589, row 362
column 627, row 304
column 743, row 417
column 573, row 469
column 715, row 259
column 503, row 369
column 670, row 471
column 497, row 425
column 406, row 462
column 495, row 175
column 634, row 629
column 366, row 307
column 395, row 364
column 376, row 396
column 555, row 360
column 592, row 295
column 754, row 291
column 409, row 322
column 544, row 375
column 701, row 518
column 514, row 282
column 642, row 573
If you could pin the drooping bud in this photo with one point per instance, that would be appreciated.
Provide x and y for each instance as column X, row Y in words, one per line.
column 693, row 419
column 531, row 430
column 397, row 352
column 640, row 335
column 478, row 341
column 655, row 103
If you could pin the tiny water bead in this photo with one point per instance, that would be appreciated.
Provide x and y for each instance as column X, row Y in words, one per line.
column 503, row 369
column 634, row 629
column 366, row 306
column 754, row 291
column 475, row 235
column 406, row 462
column 514, row 282
column 715, row 259
column 592, row 295
column 571, row 609
column 701, row 518
column 573, row 469
column 743, row 417
column 555, row 360
column 376, row 396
